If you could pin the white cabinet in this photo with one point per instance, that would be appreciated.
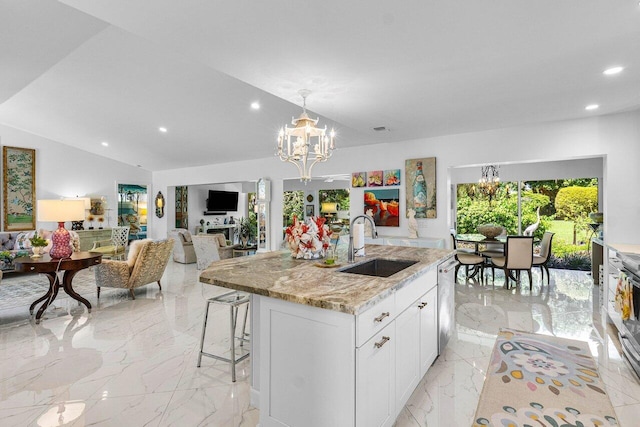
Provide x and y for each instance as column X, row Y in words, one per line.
column 325, row 368
column 392, row 362
column 428, row 306
column 407, row 353
column 375, row 395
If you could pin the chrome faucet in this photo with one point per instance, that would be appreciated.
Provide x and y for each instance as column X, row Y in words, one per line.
column 352, row 251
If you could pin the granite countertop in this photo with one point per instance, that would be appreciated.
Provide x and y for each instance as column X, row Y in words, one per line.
column 277, row 275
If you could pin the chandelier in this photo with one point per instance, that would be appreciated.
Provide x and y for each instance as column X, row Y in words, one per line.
column 295, row 143
column 489, row 181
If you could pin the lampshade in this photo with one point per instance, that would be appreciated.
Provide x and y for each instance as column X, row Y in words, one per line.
column 60, row 210
column 329, row 207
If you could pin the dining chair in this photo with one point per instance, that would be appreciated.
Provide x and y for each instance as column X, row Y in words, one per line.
column 468, row 260
column 518, row 256
column 543, row 258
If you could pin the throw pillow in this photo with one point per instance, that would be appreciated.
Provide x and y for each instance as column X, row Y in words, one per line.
column 222, row 241
column 22, row 240
column 134, row 250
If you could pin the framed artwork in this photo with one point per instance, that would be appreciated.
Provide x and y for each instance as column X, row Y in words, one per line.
column 374, row 179
column 384, row 206
column 420, row 187
column 97, row 207
column 19, row 188
column 309, row 210
column 392, row 177
column 358, row 179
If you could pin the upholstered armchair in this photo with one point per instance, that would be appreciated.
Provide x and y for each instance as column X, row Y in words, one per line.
column 224, row 249
column 145, row 263
column 183, row 247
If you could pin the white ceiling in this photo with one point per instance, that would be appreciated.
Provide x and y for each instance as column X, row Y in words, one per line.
column 85, row 71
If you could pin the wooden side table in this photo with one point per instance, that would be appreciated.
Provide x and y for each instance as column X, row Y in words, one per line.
column 50, row 267
column 240, row 251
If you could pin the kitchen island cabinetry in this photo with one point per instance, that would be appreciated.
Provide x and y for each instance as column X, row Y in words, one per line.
column 333, row 348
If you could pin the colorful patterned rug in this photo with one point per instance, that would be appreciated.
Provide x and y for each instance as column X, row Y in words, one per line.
column 540, row 380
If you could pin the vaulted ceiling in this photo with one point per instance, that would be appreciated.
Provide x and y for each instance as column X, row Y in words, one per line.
column 83, row 72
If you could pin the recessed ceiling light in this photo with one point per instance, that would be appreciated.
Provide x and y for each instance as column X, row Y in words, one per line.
column 613, row 70
column 162, row 129
column 104, row 143
column 592, row 107
column 255, row 105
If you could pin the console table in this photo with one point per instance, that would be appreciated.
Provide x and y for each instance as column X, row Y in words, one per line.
column 87, row 237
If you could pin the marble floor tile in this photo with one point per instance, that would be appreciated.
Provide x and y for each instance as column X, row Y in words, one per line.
column 133, row 362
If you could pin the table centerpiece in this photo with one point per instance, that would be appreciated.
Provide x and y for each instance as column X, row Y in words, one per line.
column 308, row 239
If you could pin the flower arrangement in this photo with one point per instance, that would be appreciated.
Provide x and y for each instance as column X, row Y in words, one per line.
column 310, row 239
column 37, row 241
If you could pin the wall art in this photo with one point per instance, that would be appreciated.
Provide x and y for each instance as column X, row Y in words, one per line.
column 392, row 177
column 420, row 186
column 19, row 188
column 358, row 179
column 384, row 206
column 374, row 179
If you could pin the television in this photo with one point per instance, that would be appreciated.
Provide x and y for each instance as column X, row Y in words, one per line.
column 222, row 201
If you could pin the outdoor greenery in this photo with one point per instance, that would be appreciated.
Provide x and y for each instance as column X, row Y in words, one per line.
column 474, row 211
column 293, row 206
column 576, row 203
column 339, row 196
column 564, row 209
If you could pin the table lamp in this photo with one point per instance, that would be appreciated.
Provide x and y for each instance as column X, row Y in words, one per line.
column 329, row 209
column 60, row 211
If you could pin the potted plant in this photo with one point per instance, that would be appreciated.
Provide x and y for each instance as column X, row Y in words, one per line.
column 246, row 230
column 37, row 245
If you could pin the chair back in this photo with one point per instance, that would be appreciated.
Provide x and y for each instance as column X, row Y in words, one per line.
column 151, row 262
column 206, row 248
column 545, row 245
column 519, row 252
column 120, row 236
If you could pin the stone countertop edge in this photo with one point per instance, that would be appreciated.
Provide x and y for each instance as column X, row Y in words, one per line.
column 625, row 248
column 278, row 275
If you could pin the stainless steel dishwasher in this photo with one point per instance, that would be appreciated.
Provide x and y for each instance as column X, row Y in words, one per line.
column 446, row 304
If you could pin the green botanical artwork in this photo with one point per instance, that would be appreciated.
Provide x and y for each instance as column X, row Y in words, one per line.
column 19, row 166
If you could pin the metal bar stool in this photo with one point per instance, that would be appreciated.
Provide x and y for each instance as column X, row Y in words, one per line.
column 233, row 300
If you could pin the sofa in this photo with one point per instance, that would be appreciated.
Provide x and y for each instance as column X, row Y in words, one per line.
column 17, row 243
column 183, row 246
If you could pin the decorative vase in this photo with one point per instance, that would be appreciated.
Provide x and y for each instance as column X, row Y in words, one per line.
column 37, row 251
column 244, row 240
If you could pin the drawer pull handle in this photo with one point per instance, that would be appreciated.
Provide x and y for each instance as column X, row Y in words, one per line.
column 382, row 342
column 422, row 305
column 381, row 317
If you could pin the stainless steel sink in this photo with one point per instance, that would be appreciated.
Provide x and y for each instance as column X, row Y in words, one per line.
column 379, row 267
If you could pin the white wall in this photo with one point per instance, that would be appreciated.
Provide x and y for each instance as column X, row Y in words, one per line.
column 63, row 171
column 615, row 137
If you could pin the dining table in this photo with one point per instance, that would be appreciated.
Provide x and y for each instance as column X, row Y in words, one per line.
column 479, row 239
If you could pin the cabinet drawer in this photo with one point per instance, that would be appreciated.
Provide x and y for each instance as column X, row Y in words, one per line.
column 414, row 290
column 374, row 319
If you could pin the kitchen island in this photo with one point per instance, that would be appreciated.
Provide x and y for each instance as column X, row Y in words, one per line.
column 335, row 348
